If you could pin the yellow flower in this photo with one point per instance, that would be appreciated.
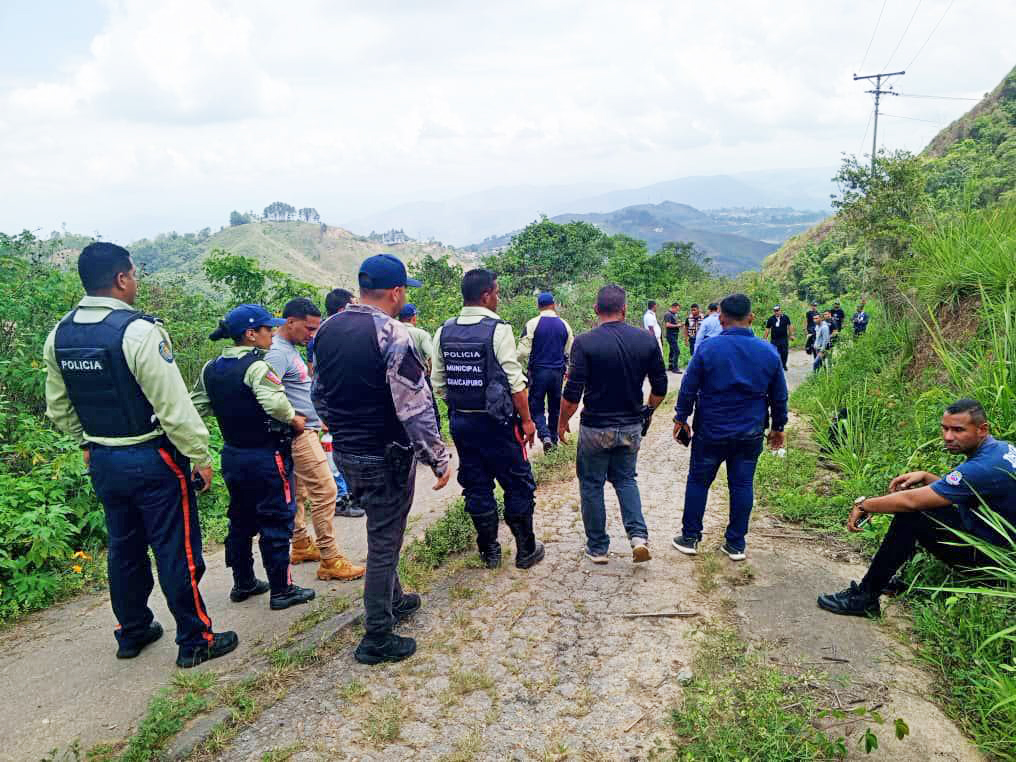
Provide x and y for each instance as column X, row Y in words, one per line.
column 81, row 554
column 77, row 568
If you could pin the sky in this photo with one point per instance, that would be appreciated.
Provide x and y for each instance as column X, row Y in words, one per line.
column 129, row 118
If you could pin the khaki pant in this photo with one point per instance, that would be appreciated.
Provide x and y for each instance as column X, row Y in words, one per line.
column 314, row 482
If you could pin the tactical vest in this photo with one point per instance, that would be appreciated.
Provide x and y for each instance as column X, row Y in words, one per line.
column 244, row 423
column 475, row 379
column 105, row 395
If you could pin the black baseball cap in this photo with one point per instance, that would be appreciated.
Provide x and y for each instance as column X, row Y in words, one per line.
column 384, row 271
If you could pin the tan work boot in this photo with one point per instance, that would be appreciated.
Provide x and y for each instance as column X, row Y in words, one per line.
column 304, row 550
column 339, row 568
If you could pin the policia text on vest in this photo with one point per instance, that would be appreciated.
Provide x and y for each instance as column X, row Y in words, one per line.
column 113, row 385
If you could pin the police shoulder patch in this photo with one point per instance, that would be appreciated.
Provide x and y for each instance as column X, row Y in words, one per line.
column 271, row 376
column 954, row 478
column 165, row 351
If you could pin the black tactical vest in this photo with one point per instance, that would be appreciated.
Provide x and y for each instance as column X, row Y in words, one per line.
column 244, row 423
column 475, row 379
column 105, row 395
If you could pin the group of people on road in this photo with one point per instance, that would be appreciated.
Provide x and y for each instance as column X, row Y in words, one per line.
column 368, row 386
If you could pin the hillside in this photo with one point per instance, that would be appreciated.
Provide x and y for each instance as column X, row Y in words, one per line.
column 324, row 255
column 970, row 163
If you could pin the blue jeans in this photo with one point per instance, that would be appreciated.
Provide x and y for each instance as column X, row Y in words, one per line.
column 383, row 485
column 741, row 456
column 545, row 394
column 340, row 481
column 609, row 454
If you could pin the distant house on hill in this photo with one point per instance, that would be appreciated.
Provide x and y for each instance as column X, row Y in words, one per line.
column 390, row 237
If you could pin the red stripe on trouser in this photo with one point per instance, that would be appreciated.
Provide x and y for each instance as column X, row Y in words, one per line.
column 289, row 496
column 191, row 568
column 522, row 443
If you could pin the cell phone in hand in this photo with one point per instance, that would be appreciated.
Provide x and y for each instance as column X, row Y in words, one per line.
column 863, row 520
column 198, row 481
column 683, row 437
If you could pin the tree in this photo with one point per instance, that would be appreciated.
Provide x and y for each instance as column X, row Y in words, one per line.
column 249, row 284
column 279, row 211
column 546, row 254
column 235, row 218
column 631, row 265
column 309, row 214
column 440, row 296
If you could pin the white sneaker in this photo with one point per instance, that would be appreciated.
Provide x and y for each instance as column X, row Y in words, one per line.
column 596, row 559
column 640, row 550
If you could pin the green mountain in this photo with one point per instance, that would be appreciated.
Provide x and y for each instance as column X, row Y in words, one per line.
column 321, row 254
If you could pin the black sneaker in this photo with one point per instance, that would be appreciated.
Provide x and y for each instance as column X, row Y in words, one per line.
column 346, row 508
column 238, row 594
column 851, row 602
column 291, row 596
column 129, row 652
column 409, row 605
column 685, row 544
column 524, row 561
column 548, row 445
column 733, row 553
column 222, row 643
column 391, row 648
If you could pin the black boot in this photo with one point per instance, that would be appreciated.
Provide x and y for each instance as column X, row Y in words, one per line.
column 528, row 551
column 486, row 538
column 290, row 596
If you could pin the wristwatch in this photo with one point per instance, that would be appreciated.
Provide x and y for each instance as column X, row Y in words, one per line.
column 859, row 503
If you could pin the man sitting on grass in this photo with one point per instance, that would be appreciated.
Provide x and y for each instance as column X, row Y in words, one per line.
column 927, row 508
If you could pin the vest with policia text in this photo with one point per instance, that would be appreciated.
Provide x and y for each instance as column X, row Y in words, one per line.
column 105, row 395
column 475, row 379
column 241, row 418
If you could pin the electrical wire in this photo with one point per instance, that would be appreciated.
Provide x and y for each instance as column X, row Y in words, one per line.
column 930, row 34
column 902, row 36
column 911, row 118
column 873, row 33
column 938, row 97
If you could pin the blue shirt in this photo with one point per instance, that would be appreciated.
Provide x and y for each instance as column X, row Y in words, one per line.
column 708, row 328
column 989, row 476
column 732, row 383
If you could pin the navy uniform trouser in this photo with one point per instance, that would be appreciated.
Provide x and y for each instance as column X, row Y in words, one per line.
column 262, row 501
column 489, row 450
column 545, row 395
column 149, row 502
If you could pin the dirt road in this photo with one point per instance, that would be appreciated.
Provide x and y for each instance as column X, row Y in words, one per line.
column 544, row 665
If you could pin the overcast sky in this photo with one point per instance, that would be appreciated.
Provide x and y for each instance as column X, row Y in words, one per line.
column 131, row 118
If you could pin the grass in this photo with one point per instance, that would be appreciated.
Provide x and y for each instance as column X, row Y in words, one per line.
column 383, row 722
column 738, row 707
column 188, row 694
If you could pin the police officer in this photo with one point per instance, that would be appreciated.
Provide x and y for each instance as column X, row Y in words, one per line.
column 258, row 423
column 408, row 316
column 478, row 371
column 370, row 386
column 112, row 384
column 544, row 346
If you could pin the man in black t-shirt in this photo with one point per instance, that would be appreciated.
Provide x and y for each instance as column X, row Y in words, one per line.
column 780, row 333
column 838, row 316
column 608, row 367
column 809, row 326
column 691, row 326
column 672, row 326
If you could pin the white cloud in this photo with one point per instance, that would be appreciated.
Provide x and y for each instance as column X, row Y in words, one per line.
column 185, row 109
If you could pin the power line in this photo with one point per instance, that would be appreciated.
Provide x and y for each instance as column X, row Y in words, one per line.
column 878, row 92
column 939, row 97
column 905, row 30
column 930, row 34
column 912, row 119
column 873, row 32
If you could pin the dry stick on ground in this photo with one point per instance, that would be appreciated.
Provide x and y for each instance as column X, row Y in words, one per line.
column 638, row 615
column 637, row 721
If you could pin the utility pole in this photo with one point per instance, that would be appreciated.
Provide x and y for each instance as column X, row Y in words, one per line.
column 878, row 92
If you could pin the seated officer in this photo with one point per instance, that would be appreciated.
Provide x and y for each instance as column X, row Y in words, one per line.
column 258, row 423
column 477, row 369
column 927, row 508
column 112, row 385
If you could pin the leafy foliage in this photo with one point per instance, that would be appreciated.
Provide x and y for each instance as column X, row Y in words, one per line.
column 248, row 283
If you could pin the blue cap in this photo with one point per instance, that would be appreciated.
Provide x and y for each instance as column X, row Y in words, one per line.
column 545, row 299
column 245, row 316
column 408, row 311
column 384, row 271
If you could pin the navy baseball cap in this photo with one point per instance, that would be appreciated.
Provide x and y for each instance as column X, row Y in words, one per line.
column 408, row 311
column 545, row 299
column 245, row 316
column 384, row 271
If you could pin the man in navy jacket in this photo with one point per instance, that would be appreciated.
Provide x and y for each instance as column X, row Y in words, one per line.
column 734, row 383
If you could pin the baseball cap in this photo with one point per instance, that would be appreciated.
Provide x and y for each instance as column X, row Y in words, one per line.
column 776, row 308
column 384, row 271
column 545, row 299
column 245, row 316
column 408, row 311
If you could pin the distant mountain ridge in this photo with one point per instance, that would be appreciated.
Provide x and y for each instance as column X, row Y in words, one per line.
column 472, row 217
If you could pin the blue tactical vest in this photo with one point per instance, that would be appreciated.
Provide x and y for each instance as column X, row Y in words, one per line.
column 244, row 423
column 475, row 379
column 105, row 395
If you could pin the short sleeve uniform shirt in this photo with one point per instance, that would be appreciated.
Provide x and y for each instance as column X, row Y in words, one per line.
column 988, row 476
